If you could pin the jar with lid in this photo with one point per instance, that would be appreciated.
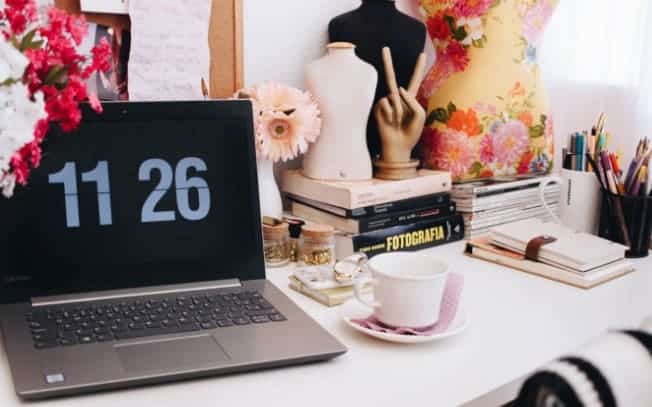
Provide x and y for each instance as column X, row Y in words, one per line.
column 275, row 244
column 317, row 245
column 295, row 233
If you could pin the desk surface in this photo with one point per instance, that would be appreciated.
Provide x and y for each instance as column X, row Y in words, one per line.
column 517, row 323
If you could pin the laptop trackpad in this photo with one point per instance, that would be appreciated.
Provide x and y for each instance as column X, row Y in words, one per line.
column 171, row 355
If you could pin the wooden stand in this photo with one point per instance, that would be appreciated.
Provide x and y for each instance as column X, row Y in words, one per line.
column 396, row 171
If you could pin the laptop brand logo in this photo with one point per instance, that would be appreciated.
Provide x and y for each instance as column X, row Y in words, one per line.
column 55, row 378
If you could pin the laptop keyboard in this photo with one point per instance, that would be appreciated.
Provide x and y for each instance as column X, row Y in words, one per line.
column 90, row 323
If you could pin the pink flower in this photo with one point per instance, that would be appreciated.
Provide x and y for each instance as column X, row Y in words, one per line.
column 485, row 108
column 549, row 132
column 438, row 74
column 285, row 136
column 510, row 141
column 438, row 28
column 286, row 120
column 535, row 20
column 471, row 8
column 458, row 56
column 487, row 149
column 454, row 152
column 56, row 74
column 94, row 101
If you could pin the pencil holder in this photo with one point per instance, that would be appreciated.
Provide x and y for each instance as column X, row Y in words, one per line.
column 627, row 220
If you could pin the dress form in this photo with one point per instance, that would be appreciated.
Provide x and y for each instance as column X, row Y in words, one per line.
column 344, row 87
column 372, row 26
column 487, row 106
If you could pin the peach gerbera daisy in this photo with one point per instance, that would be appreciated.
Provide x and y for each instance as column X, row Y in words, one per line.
column 284, row 136
column 287, row 120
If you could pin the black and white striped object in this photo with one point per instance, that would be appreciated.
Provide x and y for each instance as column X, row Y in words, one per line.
column 614, row 371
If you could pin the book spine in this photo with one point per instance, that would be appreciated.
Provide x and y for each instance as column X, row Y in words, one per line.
column 411, row 237
column 441, row 198
column 405, row 217
column 429, row 184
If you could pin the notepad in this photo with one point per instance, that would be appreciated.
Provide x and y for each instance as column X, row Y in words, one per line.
column 572, row 250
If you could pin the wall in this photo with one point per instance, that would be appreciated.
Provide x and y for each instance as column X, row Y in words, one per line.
column 282, row 36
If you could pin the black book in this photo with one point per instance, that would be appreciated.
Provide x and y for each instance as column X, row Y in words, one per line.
column 373, row 222
column 411, row 237
column 397, row 206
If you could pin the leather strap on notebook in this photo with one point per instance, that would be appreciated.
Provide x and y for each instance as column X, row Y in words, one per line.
column 534, row 246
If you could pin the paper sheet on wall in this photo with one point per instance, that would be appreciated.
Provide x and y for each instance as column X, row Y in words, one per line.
column 169, row 49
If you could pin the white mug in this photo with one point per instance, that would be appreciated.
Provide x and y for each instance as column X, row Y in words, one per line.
column 579, row 204
column 407, row 289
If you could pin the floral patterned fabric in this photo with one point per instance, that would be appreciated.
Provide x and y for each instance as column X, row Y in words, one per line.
column 488, row 113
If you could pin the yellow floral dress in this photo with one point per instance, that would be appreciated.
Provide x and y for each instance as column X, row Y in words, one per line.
column 488, row 114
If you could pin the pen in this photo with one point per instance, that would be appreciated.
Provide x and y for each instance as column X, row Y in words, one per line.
column 614, row 164
column 636, row 188
column 608, row 174
column 579, row 149
column 596, row 171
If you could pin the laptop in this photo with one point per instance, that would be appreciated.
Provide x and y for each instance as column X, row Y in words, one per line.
column 135, row 256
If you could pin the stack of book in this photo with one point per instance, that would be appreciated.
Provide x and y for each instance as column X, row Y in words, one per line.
column 487, row 204
column 377, row 216
column 574, row 258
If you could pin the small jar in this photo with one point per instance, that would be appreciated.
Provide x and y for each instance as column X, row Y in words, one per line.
column 317, row 245
column 275, row 245
column 295, row 234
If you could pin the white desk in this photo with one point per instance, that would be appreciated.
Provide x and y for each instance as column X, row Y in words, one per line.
column 517, row 323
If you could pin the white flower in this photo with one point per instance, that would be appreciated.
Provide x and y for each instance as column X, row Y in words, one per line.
column 12, row 62
column 7, row 184
column 18, row 117
column 473, row 27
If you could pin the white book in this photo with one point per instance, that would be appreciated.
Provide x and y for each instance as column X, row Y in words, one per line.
column 572, row 249
column 351, row 195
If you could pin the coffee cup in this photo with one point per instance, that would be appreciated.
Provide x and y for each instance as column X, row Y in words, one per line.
column 579, row 204
column 407, row 288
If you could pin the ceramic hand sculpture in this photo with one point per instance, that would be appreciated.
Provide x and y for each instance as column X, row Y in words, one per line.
column 400, row 120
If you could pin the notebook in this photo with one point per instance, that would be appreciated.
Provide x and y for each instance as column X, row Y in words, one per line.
column 572, row 250
column 482, row 249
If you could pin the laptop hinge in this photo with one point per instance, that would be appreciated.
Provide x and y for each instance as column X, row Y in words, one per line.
column 133, row 292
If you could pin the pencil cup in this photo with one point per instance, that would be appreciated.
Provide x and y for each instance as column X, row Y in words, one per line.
column 579, row 203
column 627, row 220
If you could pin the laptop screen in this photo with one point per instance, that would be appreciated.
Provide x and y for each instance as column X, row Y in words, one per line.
column 145, row 194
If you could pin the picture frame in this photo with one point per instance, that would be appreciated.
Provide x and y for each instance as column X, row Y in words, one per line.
column 225, row 40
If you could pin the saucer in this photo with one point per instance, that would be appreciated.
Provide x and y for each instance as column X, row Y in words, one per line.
column 352, row 309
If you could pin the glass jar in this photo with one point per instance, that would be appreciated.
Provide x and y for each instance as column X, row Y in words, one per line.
column 275, row 245
column 295, row 233
column 317, row 245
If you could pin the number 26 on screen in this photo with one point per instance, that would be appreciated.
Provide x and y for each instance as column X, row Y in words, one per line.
column 183, row 185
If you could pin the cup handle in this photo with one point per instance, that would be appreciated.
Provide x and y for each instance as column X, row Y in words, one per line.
column 542, row 195
column 358, row 285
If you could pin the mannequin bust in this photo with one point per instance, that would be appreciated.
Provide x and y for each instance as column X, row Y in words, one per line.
column 487, row 106
column 344, row 87
column 374, row 25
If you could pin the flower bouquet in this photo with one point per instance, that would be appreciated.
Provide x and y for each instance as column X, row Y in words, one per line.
column 286, row 121
column 42, row 82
